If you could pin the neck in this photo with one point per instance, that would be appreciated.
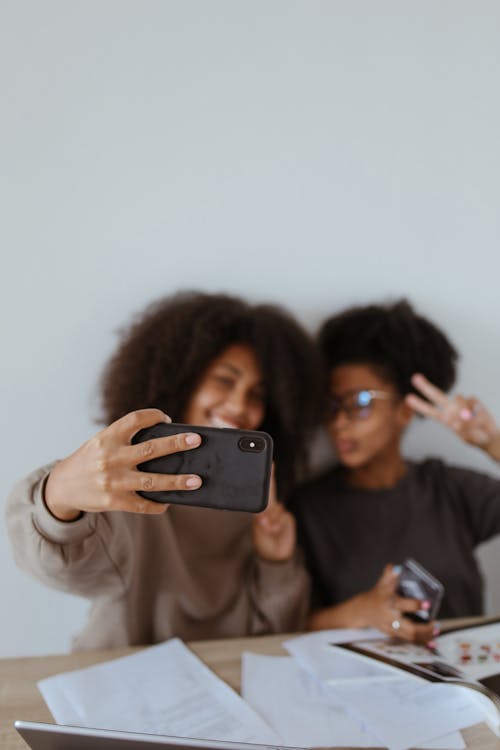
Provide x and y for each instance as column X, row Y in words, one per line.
column 377, row 475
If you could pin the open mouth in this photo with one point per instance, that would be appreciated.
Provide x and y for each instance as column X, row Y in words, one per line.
column 345, row 446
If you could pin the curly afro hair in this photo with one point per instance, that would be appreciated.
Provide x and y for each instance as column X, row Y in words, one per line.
column 393, row 339
column 165, row 351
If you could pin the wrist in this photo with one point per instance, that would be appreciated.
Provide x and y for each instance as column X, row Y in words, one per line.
column 269, row 556
column 349, row 614
column 49, row 496
column 493, row 447
column 359, row 608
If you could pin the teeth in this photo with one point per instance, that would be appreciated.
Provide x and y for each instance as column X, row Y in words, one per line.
column 222, row 423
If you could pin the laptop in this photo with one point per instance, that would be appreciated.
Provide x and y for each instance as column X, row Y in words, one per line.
column 40, row 736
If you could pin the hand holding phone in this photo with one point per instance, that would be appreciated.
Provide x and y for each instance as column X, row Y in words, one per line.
column 101, row 475
column 234, row 465
column 415, row 582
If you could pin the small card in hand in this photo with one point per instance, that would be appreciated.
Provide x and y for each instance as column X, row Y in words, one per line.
column 415, row 582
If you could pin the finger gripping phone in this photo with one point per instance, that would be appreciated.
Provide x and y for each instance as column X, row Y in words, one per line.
column 234, row 465
column 415, row 582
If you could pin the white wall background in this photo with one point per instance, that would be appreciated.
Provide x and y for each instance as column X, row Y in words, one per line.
column 313, row 153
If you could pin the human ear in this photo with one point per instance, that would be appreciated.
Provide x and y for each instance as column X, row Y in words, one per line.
column 405, row 413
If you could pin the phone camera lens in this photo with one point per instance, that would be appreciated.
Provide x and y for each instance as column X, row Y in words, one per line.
column 251, row 445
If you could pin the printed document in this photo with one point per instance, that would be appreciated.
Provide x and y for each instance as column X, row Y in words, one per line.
column 163, row 689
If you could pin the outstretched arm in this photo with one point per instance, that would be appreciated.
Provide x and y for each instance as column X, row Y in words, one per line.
column 58, row 519
column 466, row 416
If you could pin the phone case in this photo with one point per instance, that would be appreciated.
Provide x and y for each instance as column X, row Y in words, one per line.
column 235, row 466
column 415, row 582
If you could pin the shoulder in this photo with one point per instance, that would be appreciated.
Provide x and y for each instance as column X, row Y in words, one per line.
column 459, row 478
column 437, row 467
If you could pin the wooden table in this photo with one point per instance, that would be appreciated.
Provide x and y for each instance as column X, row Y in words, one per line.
column 20, row 698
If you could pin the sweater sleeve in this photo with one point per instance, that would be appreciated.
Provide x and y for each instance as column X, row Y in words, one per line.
column 87, row 556
column 279, row 594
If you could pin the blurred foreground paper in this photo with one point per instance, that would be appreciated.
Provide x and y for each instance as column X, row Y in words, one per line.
column 306, row 712
column 298, row 706
column 163, row 689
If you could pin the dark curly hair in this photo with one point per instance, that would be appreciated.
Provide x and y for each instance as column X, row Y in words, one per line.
column 393, row 339
column 164, row 352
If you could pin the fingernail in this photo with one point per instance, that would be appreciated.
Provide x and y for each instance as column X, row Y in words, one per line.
column 465, row 414
column 193, row 482
column 431, row 644
column 396, row 570
column 436, row 630
column 425, row 604
column 192, row 438
column 167, row 418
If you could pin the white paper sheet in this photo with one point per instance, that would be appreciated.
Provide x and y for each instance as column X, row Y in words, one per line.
column 411, row 711
column 314, row 654
column 297, row 705
column 164, row 689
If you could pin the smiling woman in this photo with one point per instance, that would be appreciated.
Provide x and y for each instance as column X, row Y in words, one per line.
column 153, row 571
column 230, row 393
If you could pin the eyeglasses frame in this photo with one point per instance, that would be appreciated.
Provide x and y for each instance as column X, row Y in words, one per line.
column 374, row 393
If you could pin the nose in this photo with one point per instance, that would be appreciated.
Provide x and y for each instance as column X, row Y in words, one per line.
column 236, row 401
column 340, row 420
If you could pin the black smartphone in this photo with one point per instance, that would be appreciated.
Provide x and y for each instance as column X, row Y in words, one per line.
column 415, row 582
column 234, row 465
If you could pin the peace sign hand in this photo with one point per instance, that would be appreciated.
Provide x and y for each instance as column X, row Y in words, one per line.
column 467, row 417
column 274, row 533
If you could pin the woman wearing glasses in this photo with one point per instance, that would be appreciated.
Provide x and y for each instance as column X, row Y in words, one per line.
column 376, row 508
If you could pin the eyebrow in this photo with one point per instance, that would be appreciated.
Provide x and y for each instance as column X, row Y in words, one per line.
column 236, row 370
column 228, row 366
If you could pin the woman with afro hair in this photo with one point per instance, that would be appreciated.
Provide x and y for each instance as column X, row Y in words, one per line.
column 151, row 571
column 362, row 519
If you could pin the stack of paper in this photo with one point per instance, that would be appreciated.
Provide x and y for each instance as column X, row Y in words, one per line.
column 318, row 696
column 353, row 700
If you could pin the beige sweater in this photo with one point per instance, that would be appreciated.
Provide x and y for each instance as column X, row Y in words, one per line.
column 191, row 572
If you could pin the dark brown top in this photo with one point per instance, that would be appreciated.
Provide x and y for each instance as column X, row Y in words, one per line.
column 437, row 514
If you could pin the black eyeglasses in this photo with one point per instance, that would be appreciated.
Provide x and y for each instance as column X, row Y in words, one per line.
column 355, row 404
